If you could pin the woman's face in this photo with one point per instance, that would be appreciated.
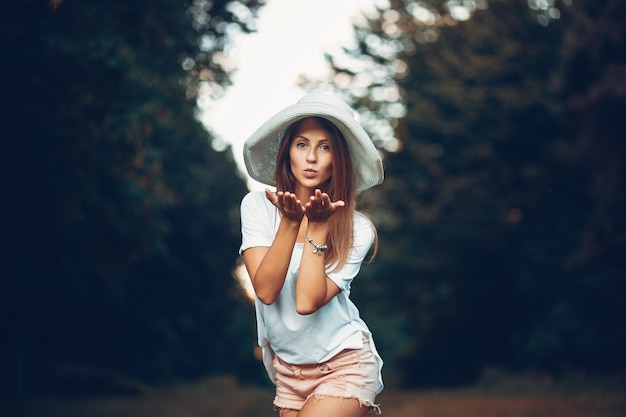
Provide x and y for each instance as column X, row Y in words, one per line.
column 310, row 154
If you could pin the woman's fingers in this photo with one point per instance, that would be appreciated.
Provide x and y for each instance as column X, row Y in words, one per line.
column 320, row 207
column 287, row 203
column 270, row 196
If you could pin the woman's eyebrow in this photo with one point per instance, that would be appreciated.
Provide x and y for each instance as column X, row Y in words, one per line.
column 324, row 139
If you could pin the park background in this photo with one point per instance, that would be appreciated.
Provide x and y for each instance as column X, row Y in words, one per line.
column 501, row 218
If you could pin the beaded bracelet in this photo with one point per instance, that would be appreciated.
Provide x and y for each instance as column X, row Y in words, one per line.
column 316, row 248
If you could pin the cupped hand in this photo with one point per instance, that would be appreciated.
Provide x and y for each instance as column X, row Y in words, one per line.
column 287, row 203
column 320, row 208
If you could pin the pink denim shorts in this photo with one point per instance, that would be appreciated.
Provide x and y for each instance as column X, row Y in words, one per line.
column 351, row 373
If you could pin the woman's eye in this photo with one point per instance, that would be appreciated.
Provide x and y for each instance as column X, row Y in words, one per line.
column 325, row 148
column 301, row 145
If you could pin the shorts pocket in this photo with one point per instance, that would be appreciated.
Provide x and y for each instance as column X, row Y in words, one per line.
column 344, row 359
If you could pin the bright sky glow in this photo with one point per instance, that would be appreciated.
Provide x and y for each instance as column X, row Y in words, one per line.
column 291, row 40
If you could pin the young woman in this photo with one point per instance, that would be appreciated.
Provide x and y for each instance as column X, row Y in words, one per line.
column 302, row 247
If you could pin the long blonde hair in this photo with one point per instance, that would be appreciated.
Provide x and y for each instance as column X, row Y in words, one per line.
column 339, row 187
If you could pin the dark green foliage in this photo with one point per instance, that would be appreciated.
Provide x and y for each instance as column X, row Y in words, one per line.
column 501, row 217
column 120, row 224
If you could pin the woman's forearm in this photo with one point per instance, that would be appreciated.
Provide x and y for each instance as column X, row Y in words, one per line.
column 312, row 285
column 270, row 275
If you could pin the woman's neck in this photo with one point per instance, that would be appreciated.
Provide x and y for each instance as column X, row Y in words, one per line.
column 303, row 193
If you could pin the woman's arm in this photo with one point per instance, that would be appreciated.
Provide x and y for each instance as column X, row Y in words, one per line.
column 313, row 288
column 268, row 267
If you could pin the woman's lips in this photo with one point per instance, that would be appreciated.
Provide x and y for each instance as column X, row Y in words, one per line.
column 310, row 173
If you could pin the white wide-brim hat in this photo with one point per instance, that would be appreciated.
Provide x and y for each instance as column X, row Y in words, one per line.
column 261, row 148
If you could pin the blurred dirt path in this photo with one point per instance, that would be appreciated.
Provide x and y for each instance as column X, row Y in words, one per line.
column 225, row 398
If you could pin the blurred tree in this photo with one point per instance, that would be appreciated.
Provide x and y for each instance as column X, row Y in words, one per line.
column 120, row 224
column 499, row 217
column 583, row 324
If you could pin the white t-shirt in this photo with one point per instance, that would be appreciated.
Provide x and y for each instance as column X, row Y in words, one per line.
column 314, row 338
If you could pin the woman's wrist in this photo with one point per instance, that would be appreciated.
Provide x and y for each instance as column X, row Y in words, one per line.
column 317, row 228
column 318, row 248
column 316, row 236
column 290, row 223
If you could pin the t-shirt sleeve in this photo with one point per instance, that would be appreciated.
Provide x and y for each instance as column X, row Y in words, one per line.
column 256, row 222
column 364, row 235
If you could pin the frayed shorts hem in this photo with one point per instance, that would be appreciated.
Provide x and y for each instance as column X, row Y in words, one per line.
column 318, row 396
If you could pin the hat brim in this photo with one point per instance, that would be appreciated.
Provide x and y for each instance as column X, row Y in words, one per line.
column 261, row 148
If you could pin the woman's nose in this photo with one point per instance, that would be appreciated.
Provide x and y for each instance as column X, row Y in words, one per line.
column 311, row 155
